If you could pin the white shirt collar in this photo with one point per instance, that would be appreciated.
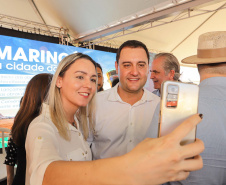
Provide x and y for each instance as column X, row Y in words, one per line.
column 114, row 96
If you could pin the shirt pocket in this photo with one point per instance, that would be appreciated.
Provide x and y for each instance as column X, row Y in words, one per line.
column 77, row 155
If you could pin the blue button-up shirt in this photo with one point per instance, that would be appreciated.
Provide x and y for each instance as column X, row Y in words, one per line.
column 212, row 131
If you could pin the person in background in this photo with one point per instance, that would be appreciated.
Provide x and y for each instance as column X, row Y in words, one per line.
column 30, row 107
column 12, row 153
column 165, row 66
column 100, row 77
column 57, row 152
column 211, row 63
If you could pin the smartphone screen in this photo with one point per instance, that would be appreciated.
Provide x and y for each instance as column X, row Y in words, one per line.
column 178, row 102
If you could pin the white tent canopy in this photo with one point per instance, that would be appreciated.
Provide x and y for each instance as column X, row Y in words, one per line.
column 163, row 25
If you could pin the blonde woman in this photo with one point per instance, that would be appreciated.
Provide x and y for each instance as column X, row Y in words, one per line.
column 57, row 151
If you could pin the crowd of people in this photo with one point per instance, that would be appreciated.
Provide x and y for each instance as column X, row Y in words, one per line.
column 69, row 130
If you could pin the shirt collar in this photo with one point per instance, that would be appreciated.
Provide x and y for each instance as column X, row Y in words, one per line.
column 215, row 81
column 114, row 96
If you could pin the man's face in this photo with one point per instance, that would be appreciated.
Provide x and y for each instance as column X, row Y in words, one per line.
column 100, row 79
column 132, row 69
column 158, row 74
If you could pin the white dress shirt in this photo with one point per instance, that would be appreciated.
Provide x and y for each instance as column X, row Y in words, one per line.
column 119, row 125
column 44, row 145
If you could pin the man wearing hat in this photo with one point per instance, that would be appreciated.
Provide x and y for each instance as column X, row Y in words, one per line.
column 211, row 63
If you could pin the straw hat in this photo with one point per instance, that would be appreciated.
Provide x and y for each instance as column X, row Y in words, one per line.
column 211, row 49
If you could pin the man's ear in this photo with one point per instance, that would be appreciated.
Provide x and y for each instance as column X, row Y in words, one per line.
column 116, row 67
column 59, row 82
column 171, row 73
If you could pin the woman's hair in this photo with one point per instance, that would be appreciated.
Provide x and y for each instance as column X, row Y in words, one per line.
column 30, row 106
column 84, row 114
column 98, row 65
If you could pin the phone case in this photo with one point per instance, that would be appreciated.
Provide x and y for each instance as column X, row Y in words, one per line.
column 178, row 102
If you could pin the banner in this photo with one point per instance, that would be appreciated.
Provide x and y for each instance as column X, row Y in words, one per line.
column 21, row 59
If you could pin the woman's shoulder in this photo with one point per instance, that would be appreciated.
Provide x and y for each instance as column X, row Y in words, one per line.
column 42, row 122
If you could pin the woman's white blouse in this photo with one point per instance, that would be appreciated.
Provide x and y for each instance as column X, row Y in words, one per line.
column 44, row 145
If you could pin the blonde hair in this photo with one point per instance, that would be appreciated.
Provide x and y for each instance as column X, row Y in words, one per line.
column 84, row 114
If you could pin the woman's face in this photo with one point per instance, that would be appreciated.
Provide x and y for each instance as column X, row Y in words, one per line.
column 78, row 84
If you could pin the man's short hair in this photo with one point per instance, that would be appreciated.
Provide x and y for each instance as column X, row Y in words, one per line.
column 213, row 68
column 170, row 63
column 132, row 44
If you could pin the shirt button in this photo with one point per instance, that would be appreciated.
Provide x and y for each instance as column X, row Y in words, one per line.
column 86, row 152
column 130, row 140
column 70, row 159
column 79, row 134
column 131, row 123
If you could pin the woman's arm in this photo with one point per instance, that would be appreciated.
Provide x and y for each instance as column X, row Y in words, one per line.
column 153, row 161
column 10, row 174
column 10, row 160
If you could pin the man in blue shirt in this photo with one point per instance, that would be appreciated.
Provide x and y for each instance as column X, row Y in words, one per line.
column 211, row 63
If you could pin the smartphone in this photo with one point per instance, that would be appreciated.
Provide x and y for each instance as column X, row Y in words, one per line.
column 178, row 102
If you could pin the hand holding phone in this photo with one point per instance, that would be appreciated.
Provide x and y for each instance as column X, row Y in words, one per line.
column 178, row 102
